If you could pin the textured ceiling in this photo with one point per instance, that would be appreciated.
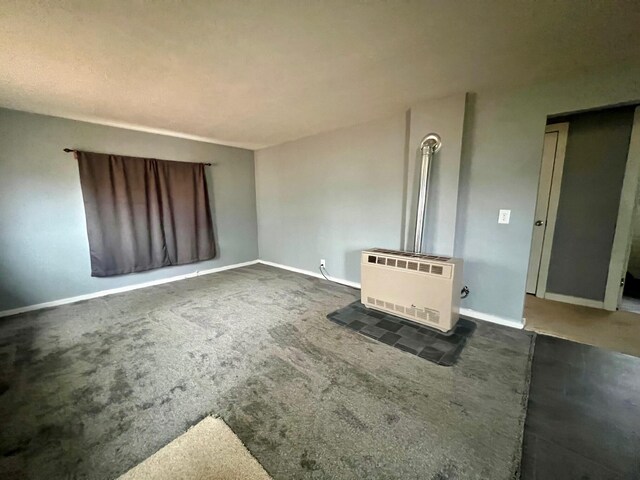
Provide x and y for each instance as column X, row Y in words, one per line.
column 257, row 73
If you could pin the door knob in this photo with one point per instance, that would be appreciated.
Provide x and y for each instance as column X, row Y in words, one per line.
column 539, row 223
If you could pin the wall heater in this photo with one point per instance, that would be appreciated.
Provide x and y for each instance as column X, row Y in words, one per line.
column 423, row 288
column 419, row 287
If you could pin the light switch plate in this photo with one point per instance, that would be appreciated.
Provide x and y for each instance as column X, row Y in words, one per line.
column 504, row 216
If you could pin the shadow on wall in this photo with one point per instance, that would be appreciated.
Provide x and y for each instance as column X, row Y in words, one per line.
column 13, row 296
column 212, row 207
column 465, row 173
column 352, row 264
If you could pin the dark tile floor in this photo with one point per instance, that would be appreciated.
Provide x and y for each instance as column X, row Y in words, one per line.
column 583, row 418
column 411, row 337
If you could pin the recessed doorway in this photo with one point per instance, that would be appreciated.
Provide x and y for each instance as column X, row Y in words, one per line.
column 584, row 265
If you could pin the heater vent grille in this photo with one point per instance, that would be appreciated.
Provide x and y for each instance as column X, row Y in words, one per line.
column 420, row 256
column 424, row 314
column 422, row 267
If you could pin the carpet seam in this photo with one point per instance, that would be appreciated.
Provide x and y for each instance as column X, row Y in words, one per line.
column 243, row 444
column 517, row 458
column 191, row 427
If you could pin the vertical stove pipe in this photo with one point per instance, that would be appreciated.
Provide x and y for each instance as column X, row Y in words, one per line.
column 429, row 145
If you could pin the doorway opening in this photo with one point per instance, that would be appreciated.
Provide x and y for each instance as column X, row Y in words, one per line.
column 585, row 248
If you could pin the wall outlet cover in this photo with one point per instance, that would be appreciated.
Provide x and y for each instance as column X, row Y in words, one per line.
column 504, row 216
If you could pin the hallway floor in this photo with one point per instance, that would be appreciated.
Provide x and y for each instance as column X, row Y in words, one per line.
column 618, row 331
column 583, row 416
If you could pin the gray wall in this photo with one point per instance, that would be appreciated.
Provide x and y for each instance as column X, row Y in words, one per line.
column 331, row 195
column 44, row 253
column 502, row 150
column 444, row 116
column 325, row 196
column 317, row 197
column 593, row 173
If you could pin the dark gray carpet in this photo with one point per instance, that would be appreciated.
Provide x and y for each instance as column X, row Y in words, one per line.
column 91, row 389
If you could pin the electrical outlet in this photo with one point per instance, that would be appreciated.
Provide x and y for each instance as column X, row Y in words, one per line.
column 323, row 263
column 504, row 216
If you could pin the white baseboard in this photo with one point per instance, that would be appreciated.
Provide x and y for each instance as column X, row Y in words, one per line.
column 467, row 312
column 487, row 317
column 348, row 283
column 111, row 291
column 585, row 302
column 63, row 301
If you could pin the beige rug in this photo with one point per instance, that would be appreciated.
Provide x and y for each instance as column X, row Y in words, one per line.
column 210, row 450
column 618, row 331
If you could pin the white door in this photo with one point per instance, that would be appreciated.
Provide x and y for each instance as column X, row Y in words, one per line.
column 555, row 142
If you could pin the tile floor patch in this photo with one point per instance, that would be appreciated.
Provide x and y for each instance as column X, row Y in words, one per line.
column 408, row 336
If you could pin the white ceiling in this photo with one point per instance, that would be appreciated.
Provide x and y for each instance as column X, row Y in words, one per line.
column 261, row 72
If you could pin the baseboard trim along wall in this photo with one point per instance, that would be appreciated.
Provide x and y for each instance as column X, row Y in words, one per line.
column 341, row 281
column 487, row 317
column 465, row 312
column 103, row 293
column 585, row 302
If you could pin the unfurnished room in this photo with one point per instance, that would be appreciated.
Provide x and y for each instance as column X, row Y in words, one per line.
column 332, row 239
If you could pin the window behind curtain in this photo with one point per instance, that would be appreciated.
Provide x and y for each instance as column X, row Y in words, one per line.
column 144, row 213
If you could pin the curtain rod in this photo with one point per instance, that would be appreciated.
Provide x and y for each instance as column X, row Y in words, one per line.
column 71, row 150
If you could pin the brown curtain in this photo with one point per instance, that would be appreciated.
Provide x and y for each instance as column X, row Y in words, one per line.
column 144, row 213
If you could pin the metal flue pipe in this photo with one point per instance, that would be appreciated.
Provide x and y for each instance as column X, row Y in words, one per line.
column 428, row 147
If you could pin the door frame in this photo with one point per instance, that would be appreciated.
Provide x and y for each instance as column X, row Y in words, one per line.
column 554, row 200
column 624, row 225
